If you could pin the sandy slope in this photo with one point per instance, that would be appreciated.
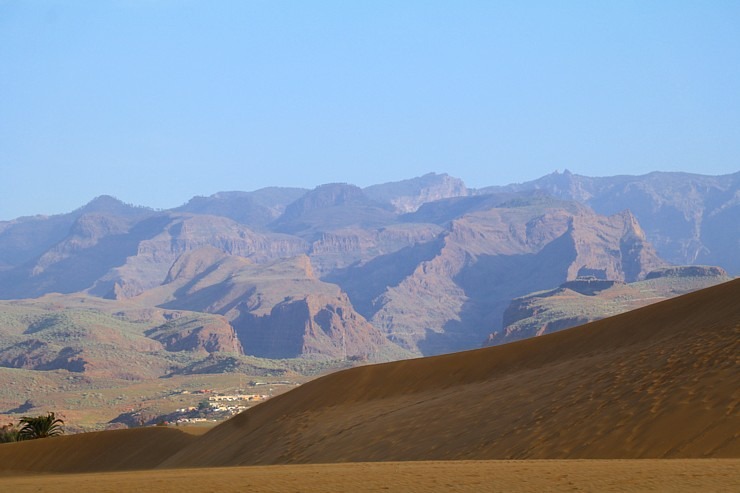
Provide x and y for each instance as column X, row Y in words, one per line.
column 117, row 450
column 681, row 475
column 662, row 381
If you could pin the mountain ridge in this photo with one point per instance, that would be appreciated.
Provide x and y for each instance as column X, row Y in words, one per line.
column 427, row 262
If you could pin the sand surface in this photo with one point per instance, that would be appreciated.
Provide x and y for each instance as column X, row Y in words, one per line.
column 116, row 450
column 679, row 475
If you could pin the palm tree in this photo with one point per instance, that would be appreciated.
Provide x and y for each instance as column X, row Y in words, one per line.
column 40, row 427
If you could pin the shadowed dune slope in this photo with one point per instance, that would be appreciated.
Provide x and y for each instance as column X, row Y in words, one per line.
column 116, row 450
column 659, row 382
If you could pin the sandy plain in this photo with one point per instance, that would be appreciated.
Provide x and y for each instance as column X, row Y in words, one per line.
column 645, row 475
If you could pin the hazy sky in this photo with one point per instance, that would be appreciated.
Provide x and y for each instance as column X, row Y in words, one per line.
column 155, row 101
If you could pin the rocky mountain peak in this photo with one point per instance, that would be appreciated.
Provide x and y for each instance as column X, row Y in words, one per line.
column 107, row 204
column 329, row 195
column 408, row 195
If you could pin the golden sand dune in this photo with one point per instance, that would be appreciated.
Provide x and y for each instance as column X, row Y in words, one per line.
column 116, row 450
column 659, row 382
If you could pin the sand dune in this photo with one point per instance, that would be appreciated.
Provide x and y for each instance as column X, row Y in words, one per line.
column 659, row 382
column 116, row 450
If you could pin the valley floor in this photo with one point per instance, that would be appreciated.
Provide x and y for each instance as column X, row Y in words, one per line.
column 674, row 475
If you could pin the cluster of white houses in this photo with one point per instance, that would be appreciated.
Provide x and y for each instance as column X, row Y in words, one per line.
column 237, row 397
column 225, row 405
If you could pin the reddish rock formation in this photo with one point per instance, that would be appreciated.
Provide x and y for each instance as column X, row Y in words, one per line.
column 212, row 334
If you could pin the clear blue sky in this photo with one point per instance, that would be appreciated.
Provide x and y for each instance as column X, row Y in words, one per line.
column 155, row 101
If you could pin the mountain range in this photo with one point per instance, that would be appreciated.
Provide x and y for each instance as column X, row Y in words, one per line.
column 418, row 267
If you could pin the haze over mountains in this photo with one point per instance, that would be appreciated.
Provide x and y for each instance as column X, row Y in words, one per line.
column 423, row 266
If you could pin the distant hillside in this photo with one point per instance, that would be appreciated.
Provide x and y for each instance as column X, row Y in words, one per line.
column 101, row 338
column 26, row 238
column 278, row 310
column 585, row 300
column 409, row 195
column 253, row 209
column 93, row 360
column 440, row 296
column 421, row 266
column 689, row 218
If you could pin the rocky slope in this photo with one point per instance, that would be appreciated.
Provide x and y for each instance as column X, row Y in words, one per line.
column 587, row 299
column 443, row 294
column 278, row 310
column 27, row 238
column 689, row 218
column 428, row 263
column 213, row 334
column 118, row 257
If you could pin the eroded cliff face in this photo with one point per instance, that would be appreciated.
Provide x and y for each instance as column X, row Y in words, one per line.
column 211, row 335
column 338, row 249
column 279, row 310
column 612, row 248
column 314, row 326
column 686, row 217
column 120, row 257
column 488, row 257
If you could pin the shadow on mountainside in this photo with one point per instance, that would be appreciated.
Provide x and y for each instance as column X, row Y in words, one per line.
column 490, row 282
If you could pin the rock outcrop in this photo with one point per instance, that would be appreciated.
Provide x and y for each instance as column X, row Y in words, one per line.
column 278, row 310
column 587, row 299
column 211, row 335
column 688, row 271
column 34, row 354
column 314, row 326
